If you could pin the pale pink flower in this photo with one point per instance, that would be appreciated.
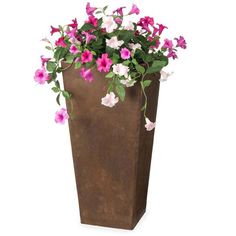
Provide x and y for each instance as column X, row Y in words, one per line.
column 134, row 47
column 168, row 44
column 114, row 42
column 86, row 74
column 129, row 26
column 128, row 82
column 61, row 116
column 181, row 42
column 121, row 70
column 44, row 60
column 41, row 76
column 109, row 100
column 90, row 10
column 61, row 42
column 109, row 24
column 165, row 75
column 73, row 49
column 149, row 125
column 104, row 63
column 88, row 36
column 134, row 10
column 86, row 56
column 125, row 53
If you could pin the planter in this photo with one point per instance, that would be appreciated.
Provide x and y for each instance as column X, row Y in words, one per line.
column 111, row 150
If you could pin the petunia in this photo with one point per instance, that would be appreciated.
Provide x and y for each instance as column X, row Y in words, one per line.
column 129, row 26
column 41, row 76
column 134, row 47
column 74, row 24
column 73, row 49
column 44, row 60
column 89, row 37
column 134, row 10
column 164, row 75
column 93, row 21
column 104, row 63
column 121, row 70
column 118, row 20
column 181, row 42
column 61, row 116
column 149, row 125
column 168, row 44
column 109, row 100
column 86, row 56
column 128, row 82
column 86, row 74
column 119, row 11
column 172, row 54
column 90, row 10
column 61, row 42
column 114, row 42
column 109, row 24
column 54, row 30
column 125, row 53
column 161, row 28
column 71, row 33
column 146, row 22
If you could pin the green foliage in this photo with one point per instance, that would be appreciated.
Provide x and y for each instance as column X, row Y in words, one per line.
column 156, row 66
column 110, row 75
column 146, row 83
column 51, row 66
column 121, row 92
column 60, row 53
column 55, row 89
column 66, row 94
column 140, row 69
column 78, row 65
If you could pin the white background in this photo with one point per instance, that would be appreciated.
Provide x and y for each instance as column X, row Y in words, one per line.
column 193, row 179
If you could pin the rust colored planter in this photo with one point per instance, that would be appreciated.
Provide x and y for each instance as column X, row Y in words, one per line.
column 111, row 150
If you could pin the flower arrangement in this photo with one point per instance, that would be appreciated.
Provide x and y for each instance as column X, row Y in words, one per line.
column 126, row 51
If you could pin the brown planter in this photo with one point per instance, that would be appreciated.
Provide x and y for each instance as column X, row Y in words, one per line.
column 111, row 150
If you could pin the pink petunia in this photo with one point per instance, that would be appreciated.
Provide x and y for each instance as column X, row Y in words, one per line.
column 61, row 42
column 86, row 56
column 118, row 20
column 41, row 76
column 168, row 44
column 104, row 63
column 181, row 42
column 161, row 28
column 54, row 30
column 172, row 54
column 125, row 53
column 88, row 36
column 73, row 49
column 71, row 33
column 134, row 10
column 74, row 24
column 86, row 74
column 44, row 60
column 61, row 116
column 119, row 11
column 93, row 21
column 90, row 10
column 146, row 22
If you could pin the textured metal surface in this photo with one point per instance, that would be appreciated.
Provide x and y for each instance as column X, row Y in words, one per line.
column 111, row 150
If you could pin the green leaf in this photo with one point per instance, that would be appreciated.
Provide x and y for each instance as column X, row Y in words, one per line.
column 70, row 58
column 78, row 65
column 110, row 87
column 146, row 83
column 48, row 48
column 156, row 66
column 126, row 63
column 134, row 61
column 104, row 8
column 55, row 89
column 140, row 69
column 121, row 92
column 115, row 58
column 66, row 94
column 110, row 75
column 51, row 66
column 60, row 53
column 58, row 99
column 86, row 27
column 98, row 12
column 57, row 84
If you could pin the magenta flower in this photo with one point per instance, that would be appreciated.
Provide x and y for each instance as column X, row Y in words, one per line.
column 86, row 74
column 54, row 30
column 119, row 11
column 61, row 42
column 90, row 10
column 168, row 44
column 118, row 20
column 44, row 60
column 74, row 24
column 125, row 53
column 61, row 116
column 71, row 33
column 104, row 63
column 41, row 76
column 134, row 10
column 172, row 54
column 93, row 21
column 86, row 56
column 146, row 22
column 88, row 36
column 181, row 42
column 73, row 49
column 161, row 28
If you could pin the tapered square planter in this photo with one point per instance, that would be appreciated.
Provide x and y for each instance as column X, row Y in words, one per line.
column 111, row 150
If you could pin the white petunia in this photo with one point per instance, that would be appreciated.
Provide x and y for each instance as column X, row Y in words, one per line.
column 164, row 75
column 149, row 125
column 109, row 24
column 109, row 100
column 128, row 82
column 114, row 42
column 121, row 70
column 129, row 26
column 134, row 47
